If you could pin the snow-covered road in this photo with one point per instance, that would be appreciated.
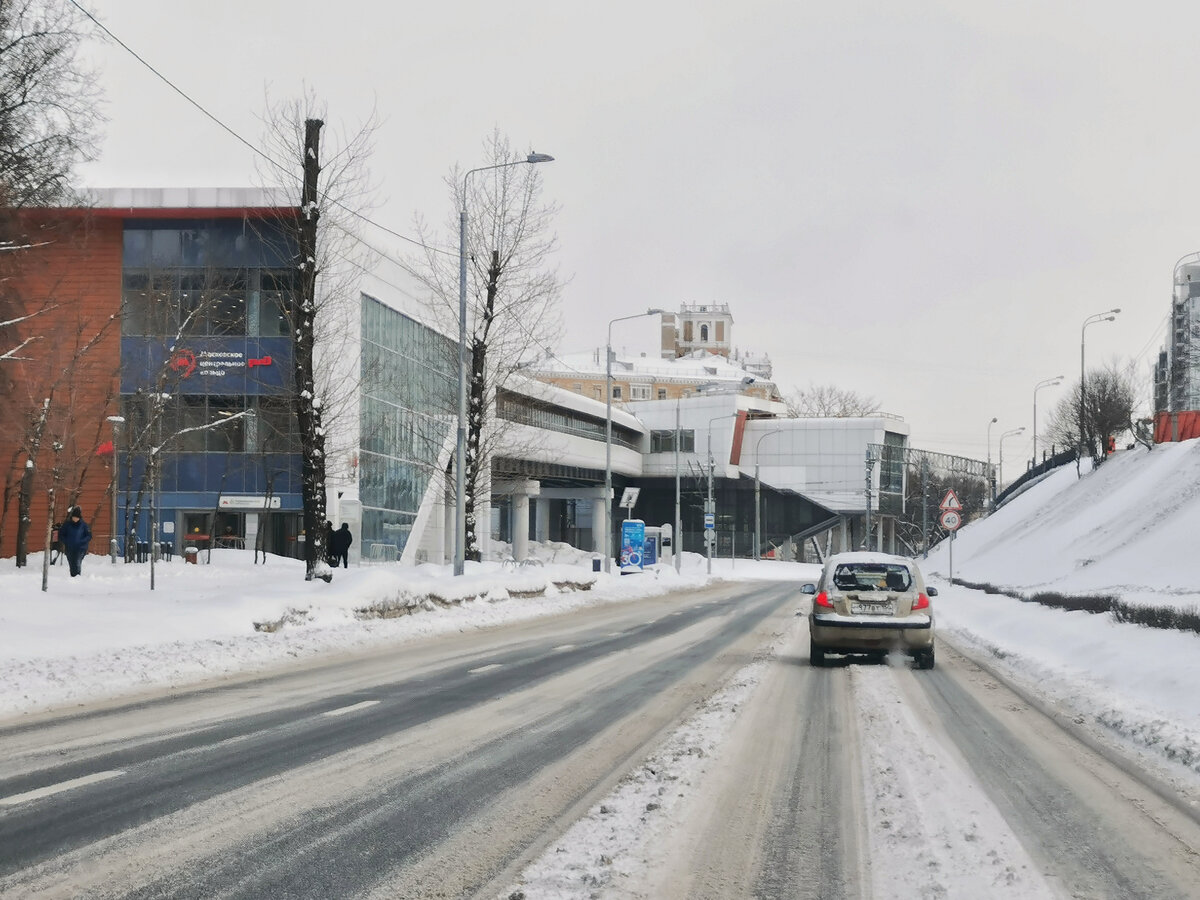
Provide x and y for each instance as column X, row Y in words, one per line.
column 877, row 781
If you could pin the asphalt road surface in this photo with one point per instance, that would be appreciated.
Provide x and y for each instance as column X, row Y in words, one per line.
column 443, row 767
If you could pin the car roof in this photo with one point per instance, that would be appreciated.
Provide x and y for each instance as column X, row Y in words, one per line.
column 868, row 556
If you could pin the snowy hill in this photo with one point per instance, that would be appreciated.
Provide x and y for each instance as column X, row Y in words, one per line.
column 1128, row 529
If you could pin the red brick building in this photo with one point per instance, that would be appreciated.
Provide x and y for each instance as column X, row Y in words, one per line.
column 63, row 296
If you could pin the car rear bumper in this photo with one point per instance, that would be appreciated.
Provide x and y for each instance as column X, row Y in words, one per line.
column 834, row 632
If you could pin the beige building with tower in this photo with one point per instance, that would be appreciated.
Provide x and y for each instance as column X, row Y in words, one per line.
column 697, row 355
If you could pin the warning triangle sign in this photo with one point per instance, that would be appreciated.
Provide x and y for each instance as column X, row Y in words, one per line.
column 950, row 501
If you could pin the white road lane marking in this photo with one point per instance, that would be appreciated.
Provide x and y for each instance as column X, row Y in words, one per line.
column 562, row 647
column 485, row 668
column 352, row 708
column 52, row 789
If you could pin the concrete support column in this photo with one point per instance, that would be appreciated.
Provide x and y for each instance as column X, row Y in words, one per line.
column 448, row 526
column 520, row 526
column 251, row 530
column 542, row 525
column 598, row 525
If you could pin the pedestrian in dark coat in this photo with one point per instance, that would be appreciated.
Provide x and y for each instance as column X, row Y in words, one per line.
column 75, row 536
column 340, row 545
column 330, row 556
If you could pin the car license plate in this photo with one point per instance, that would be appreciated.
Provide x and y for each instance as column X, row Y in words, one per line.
column 873, row 607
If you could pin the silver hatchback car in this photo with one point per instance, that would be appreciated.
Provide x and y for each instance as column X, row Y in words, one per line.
column 871, row 603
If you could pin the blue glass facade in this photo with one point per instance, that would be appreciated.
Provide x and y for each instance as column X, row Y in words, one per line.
column 206, row 335
column 408, row 406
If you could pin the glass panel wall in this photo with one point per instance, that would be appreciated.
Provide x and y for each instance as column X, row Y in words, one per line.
column 409, row 411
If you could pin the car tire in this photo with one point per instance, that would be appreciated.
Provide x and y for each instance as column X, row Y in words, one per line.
column 925, row 659
column 816, row 656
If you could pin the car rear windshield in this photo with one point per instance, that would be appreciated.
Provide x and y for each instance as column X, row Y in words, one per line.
column 872, row 577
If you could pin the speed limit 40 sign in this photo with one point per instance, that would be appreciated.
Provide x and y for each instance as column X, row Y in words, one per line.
column 951, row 519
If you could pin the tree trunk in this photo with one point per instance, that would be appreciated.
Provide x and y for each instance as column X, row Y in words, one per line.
column 25, row 495
column 476, row 404
column 477, row 464
column 308, row 407
column 24, row 506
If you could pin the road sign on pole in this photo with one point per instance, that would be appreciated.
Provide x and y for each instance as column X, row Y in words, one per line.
column 951, row 520
column 950, row 501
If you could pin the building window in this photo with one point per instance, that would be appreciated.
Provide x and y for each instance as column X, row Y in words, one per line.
column 599, row 393
column 276, row 297
column 704, row 333
column 663, row 441
column 639, row 392
column 578, row 388
column 616, row 394
column 662, row 393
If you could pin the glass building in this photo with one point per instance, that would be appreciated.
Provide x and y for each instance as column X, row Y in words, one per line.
column 206, row 382
column 409, row 402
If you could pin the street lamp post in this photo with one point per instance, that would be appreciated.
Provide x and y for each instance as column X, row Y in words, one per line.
column 991, row 479
column 677, row 539
column 608, row 433
column 1090, row 320
column 460, row 447
column 758, row 496
column 710, row 507
column 1002, row 437
column 117, row 422
column 1049, row 382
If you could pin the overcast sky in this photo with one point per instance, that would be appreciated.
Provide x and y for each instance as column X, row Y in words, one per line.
column 920, row 201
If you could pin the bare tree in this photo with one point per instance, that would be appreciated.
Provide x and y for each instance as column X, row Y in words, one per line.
column 48, row 124
column 41, row 405
column 48, row 101
column 334, row 192
column 827, row 400
column 1111, row 397
column 513, row 291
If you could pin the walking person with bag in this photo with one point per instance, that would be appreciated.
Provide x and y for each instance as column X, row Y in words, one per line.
column 75, row 536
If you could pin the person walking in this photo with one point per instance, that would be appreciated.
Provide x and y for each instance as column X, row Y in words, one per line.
column 75, row 536
column 339, row 545
column 330, row 556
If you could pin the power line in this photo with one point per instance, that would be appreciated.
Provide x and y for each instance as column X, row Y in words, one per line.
column 257, row 150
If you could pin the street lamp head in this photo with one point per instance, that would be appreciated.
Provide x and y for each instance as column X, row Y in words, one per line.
column 539, row 158
column 1114, row 311
column 656, row 312
column 994, row 420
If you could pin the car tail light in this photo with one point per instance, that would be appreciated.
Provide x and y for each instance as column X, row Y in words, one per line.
column 822, row 599
column 922, row 602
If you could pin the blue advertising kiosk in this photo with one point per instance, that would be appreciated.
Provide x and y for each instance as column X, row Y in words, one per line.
column 633, row 545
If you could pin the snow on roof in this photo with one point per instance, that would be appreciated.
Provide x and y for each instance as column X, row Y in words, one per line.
column 190, row 198
column 699, row 365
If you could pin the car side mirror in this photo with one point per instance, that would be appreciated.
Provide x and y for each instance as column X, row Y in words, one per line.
column 808, row 589
column 931, row 591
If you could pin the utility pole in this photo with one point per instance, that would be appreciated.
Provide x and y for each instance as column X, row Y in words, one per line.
column 925, row 505
column 710, row 509
column 677, row 538
column 867, row 536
